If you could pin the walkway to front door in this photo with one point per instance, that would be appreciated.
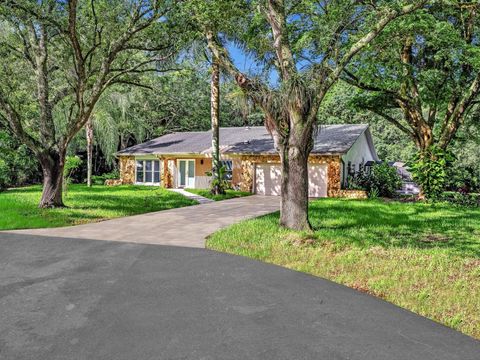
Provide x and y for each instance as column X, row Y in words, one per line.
column 198, row 198
column 188, row 226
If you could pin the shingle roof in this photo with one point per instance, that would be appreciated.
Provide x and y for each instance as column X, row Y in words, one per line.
column 330, row 139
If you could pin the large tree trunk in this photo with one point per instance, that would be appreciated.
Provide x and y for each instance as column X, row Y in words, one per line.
column 426, row 140
column 215, row 119
column 89, row 135
column 294, row 160
column 52, row 168
column 123, row 142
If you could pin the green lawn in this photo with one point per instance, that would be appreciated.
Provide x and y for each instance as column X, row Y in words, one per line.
column 18, row 207
column 423, row 257
column 230, row 194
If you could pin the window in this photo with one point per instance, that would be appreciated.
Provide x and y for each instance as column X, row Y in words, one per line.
column 228, row 168
column 148, row 172
column 139, row 171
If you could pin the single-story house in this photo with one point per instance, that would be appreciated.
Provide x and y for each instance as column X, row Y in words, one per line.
column 182, row 159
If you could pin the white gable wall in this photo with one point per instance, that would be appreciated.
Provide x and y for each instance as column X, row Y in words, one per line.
column 359, row 153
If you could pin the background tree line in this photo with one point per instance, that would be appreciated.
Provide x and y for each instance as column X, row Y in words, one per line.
column 142, row 68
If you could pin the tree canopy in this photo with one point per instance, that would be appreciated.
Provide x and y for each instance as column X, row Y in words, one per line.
column 57, row 60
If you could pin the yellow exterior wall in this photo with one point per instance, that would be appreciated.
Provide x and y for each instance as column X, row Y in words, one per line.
column 236, row 172
column 243, row 171
column 201, row 169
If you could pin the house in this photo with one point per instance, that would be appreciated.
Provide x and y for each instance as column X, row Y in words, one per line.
column 182, row 159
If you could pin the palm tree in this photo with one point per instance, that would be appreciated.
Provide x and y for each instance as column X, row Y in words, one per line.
column 217, row 184
column 89, row 136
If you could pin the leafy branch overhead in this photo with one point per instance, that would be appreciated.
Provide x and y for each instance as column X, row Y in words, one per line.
column 423, row 74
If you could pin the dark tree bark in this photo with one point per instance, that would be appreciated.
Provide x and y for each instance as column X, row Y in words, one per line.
column 217, row 188
column 52, row 167
column 89, row 135
column 294, row 186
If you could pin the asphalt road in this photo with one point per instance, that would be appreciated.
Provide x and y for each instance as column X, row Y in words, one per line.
column 86, row 299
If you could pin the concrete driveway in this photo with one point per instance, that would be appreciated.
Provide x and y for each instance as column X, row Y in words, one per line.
column 187, row 226
column 78, row 299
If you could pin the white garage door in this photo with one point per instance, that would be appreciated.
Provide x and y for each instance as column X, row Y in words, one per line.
column 268, row 180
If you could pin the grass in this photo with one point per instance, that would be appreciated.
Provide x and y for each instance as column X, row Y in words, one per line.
column 18, row 207
column 230, row 194
column 422, row 257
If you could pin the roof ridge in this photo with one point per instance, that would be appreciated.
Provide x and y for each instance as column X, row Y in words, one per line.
column 331, row 138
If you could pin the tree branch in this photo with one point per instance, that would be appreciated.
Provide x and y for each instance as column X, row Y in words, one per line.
column 368, row 38
column 276, row 17
column 454, row 120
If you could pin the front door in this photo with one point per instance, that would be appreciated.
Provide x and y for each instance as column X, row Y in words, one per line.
column 186, row 173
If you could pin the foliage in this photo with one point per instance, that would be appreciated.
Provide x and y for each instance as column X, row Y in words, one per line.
column 464, row 174
column 306, row 46
column 4, row 175
column 461, row 198
column 84, row 205
column 19, row 164
column 382, row 180
column 222, row 181
column 72, row 164
column 462, row 179
column 420, row 256
column 430, row 171
column 422, row 73
column 100, row 179
column 177, row 101
column 341, row 107
column 58, row 60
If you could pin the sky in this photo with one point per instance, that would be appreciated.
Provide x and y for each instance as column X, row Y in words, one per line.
column 246, row 63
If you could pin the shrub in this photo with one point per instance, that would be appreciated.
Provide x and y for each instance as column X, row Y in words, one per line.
column 430, row 170
column 19, row 166
column 461, row 198
column 382, row 180
column 4, row 175
column 463, row 179
column 100, row 179
column 223, row 182
column 72, row 163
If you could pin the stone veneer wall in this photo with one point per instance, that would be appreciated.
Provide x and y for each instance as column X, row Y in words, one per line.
column 127, row 169
column 247, row 165
column 166, row 176
column 353, row 194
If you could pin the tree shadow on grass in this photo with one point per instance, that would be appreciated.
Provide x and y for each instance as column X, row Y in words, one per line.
column 375, row 223
column 130, row 205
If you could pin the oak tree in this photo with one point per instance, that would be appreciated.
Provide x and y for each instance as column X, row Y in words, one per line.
column 423, row 75
column 58, row 58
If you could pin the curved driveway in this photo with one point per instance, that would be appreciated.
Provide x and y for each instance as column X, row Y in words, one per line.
column 186, row 226
column 82, row 299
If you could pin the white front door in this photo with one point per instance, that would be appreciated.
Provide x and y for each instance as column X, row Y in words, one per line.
column 186, row 173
